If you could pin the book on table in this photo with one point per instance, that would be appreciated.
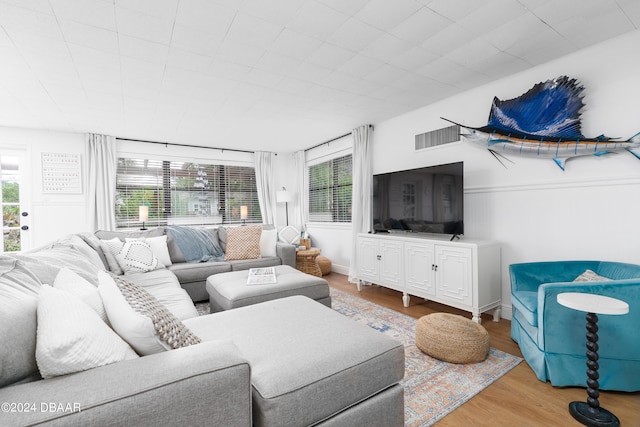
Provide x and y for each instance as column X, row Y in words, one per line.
column 261, row 276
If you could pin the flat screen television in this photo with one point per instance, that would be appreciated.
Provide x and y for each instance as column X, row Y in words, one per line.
column 422, row 200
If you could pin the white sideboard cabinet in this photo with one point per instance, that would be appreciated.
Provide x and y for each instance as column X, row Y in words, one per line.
column 464, row 274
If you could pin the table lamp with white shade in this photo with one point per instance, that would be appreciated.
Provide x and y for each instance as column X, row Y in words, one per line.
column 143, row 215
column 244, row 213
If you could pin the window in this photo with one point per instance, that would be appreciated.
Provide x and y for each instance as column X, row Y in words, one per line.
column 184, row 193
column 330, row 190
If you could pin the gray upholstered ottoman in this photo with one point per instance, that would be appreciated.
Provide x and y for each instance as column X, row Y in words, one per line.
column 230, row 290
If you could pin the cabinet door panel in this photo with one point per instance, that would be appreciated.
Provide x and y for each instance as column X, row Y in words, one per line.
column 453, row 275
column 391, row 265
column 419, row 264
column 368, row 260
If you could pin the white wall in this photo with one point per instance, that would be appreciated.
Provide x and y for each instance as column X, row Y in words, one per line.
column 537, row 211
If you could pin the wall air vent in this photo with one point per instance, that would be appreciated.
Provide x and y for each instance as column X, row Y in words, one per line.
column 438, row 137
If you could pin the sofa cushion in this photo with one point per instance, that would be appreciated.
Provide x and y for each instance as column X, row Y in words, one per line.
column 71, row 336
column 81, row 245
column 93, row 242
column 199, row 272
column 164, row 286
column 305, row 371
column 243, row 242
column 71, row 282
column 19, row 289
column 110, row 248
column 136, row 256
column 140, row 319
column 46, row 263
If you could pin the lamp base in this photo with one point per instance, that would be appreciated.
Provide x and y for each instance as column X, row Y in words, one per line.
column 582, row 412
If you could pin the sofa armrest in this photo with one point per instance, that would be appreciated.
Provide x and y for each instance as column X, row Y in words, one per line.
column 207, row 383
column 287, row 253
column 562, row 330
column 528, row 276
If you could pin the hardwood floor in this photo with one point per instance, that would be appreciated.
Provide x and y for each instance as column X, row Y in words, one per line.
column 518, row 399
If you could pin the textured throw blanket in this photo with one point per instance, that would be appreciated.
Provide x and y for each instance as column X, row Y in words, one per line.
column 196, row 244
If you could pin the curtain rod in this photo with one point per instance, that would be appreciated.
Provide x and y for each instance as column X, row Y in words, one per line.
column 186, row 145
column 331, row 140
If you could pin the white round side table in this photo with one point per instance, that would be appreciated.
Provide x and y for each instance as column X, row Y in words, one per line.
column 590, row 413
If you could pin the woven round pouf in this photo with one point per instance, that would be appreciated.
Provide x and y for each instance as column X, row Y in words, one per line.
column 325, row 264
column 452, row 338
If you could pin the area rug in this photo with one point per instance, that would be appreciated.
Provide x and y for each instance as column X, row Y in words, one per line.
column 432, row 388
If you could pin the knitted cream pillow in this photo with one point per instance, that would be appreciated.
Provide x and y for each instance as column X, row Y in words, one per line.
column 140, row 319
column 243, row 242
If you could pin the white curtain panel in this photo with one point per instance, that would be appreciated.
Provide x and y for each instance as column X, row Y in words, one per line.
column 265, row 183
column 361, row 191
column 300, row 216
column 102, row 165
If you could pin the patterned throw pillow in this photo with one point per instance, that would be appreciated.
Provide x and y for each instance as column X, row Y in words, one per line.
column 140, row 319
column 243, row 242
column 136, row 256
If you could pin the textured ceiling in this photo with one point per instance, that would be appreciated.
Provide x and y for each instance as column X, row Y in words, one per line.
column 276, row 75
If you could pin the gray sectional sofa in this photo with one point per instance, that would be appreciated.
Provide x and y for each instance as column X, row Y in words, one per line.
column 193, row 276
column 290, row 361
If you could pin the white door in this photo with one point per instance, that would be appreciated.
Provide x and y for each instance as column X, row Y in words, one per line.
column 14, row 200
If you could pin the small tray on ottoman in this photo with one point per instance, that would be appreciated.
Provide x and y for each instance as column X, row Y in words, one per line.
column 230, row 290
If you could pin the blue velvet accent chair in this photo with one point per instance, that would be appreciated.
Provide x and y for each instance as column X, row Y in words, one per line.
column 552, row 337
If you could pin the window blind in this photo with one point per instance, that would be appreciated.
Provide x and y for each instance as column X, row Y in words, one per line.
column 184, row 193
column 330, row 190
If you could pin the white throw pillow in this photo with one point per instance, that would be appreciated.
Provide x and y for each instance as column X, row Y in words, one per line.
column 136, row 256
column 72, row 282
column 71, row 337
column 268, row 240
column 159, row 248
column 140, row 319
column 289, row 234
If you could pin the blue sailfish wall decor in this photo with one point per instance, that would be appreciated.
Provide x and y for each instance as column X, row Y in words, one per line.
column 544, row 122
